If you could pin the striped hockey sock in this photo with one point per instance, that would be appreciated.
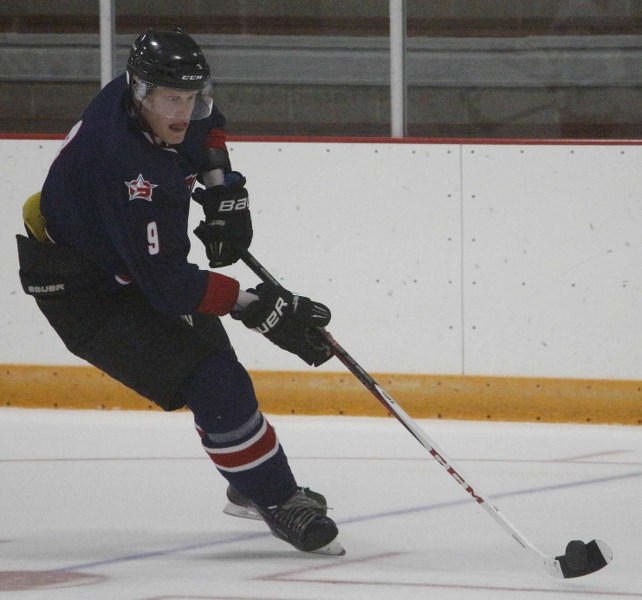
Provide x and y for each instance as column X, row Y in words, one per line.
column 252, row 460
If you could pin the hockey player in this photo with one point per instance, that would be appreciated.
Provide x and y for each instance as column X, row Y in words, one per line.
column 106, row 259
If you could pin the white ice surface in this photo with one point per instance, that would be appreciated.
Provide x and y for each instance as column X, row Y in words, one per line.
column 129, row 502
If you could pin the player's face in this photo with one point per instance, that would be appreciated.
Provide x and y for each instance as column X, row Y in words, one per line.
column 168, row 113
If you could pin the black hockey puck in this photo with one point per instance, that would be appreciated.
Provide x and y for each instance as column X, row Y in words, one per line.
column 577, row 557
column 581, row 559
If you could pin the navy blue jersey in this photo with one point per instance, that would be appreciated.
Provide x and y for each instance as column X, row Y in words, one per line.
column 123, row 201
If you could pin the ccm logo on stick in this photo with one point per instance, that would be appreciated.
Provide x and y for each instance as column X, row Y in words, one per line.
column 456, row 476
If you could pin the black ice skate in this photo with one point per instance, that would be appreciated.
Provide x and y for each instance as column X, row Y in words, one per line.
column 302, row 522
column 240, row 506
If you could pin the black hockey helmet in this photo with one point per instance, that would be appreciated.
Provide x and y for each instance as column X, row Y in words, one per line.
column 169, row 59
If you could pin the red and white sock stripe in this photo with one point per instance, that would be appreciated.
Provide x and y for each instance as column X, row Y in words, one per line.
column 248, row 454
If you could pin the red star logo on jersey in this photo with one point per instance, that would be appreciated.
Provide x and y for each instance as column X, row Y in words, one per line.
column 140, row 188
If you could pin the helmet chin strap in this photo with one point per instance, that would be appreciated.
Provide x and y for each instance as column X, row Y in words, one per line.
column 136, row 114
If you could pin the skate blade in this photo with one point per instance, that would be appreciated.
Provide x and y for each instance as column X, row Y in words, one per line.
column 334, row 548
column 243, row 512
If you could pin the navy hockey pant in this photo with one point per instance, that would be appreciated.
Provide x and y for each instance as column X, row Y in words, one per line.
column 177, row 362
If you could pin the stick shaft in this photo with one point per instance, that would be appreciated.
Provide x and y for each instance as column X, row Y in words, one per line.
column 433, row 449
column 400, row 414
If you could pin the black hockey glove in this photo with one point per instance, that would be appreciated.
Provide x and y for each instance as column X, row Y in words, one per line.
column 289, row 321
column 228, row 223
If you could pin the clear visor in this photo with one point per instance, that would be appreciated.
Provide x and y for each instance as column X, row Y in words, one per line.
column 172, row 103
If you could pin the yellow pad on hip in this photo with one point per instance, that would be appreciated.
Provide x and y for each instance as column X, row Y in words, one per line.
column 34, row 221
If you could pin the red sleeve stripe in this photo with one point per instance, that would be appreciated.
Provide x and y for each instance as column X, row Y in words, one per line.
column 220, row 295
column 216, row 139
column 251, row 453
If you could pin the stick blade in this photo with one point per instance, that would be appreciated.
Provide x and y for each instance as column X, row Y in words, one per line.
column 582, row 559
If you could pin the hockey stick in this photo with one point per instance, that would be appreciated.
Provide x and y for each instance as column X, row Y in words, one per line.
column 579, row 559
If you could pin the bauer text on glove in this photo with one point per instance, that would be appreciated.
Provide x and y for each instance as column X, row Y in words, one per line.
column 228, row 223
column 291, row 322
